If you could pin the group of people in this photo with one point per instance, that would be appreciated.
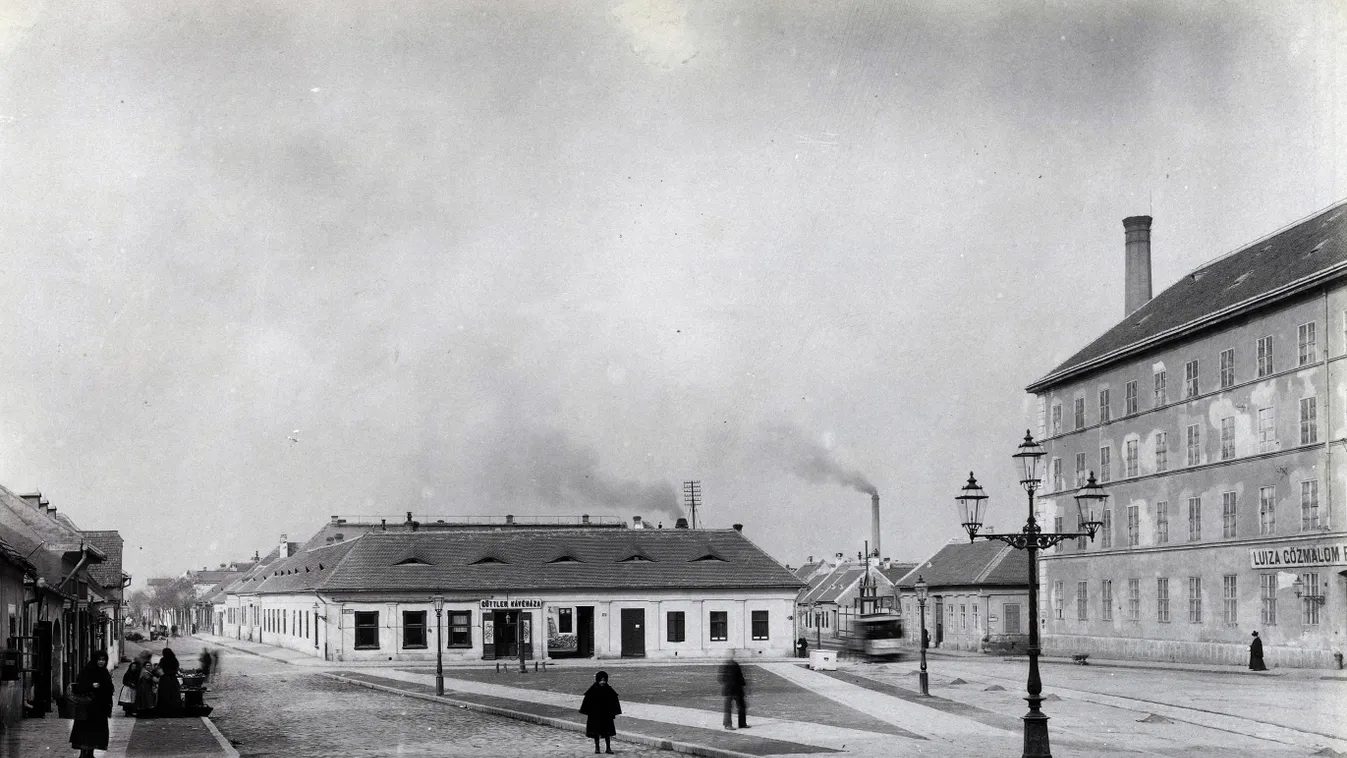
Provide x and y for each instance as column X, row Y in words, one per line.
column 601, row 704
column 149, row 690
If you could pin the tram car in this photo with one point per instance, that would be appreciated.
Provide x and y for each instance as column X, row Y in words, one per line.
column 876, row 637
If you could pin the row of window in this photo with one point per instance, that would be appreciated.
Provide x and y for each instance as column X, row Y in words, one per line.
column 1131, row 463
column 1310, row 517
column 1307, row 353
column 1309, row 608
column 459, row 627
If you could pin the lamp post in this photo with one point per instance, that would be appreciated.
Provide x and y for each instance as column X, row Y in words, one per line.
column 920, row 587
column 438, row 600
column 971, row 501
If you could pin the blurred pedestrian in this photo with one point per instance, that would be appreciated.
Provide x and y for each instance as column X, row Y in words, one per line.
column 1256, row 654
column 206, row 662
column 168, row 698
column 90, row 731
column 733, row 687
column 601, row 705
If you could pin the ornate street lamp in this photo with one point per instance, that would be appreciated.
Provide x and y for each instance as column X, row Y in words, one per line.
column 972, row 503
column 438, row 600
column 920, row 587
column 1299, row 586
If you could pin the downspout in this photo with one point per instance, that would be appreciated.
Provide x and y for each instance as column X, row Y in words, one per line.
column 84, row 559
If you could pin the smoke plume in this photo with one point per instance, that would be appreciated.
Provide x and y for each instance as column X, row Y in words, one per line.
column 811, row 461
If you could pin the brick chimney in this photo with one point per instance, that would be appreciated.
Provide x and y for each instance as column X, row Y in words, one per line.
column 284, row 551
column 1137, row 291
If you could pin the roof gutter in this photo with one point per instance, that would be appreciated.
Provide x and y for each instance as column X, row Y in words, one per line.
column 1223, row 314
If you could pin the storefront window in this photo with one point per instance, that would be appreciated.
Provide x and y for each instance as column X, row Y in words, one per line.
column 366, row 630
column 413, row 629
column 460, row 629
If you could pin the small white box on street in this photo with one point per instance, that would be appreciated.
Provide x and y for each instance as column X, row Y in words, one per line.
column 823, row 660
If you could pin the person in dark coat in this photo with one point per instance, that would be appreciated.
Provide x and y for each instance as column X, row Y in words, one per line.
column 601, row 705
column 733, row 686
column 131, row 680
column 91, row 732
column 1256, row 654
column 145, row 686
column 168, row 700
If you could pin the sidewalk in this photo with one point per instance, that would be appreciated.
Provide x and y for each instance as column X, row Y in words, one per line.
column 127, row 738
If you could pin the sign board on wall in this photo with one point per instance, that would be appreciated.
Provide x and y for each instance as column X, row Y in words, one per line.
column 1298, row 556
column 512, row 603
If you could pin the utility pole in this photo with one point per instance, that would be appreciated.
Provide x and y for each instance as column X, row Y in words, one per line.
column 692, row 497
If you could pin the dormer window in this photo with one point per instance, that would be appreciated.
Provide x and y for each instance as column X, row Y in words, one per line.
column 412, row 561
column 487, row 559
column 565, row 559
column 637, row 558
column 708, row 557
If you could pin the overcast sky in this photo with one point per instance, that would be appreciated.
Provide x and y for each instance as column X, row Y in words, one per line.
column 268, row 262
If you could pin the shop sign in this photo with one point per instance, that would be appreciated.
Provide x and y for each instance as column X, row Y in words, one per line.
column 1297, row 556
column 512, row 603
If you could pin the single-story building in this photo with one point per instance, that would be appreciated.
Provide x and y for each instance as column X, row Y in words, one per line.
column 977, row 597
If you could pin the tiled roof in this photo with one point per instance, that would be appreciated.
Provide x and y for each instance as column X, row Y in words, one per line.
column 476, row 560
column 972, row 564
column 109, row 572
column 897, row 571
column 1285, row 264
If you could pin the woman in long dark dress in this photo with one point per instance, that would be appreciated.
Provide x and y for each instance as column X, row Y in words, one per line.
column 168, row 701
column 131, row 681
column 91, row 732
column 601, row 705
column 145, row 686
column 1256, row 654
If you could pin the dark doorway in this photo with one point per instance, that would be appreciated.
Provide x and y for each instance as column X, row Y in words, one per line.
column 506, row 637
column 939, row 621
column 584, row 631
column 633, row 632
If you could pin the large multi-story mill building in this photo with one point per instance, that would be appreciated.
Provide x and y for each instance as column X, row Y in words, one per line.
column 1215, row 415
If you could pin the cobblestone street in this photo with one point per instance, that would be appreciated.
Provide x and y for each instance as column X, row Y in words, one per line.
column 267, row 708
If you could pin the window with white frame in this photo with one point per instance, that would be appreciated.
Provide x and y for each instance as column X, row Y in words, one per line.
column 1267, row 430
column 1194, row 519
column 1161, row 392
column 1309, row 426
column 414, row 630
column 1161, row 452
column 759, row 625
column 1056, row 418
column 1194, row 599
column 1130, row 398
column 1082, row 601
column 1161, row 522
column 1309, row 607
column 1106, row 601
column 1130, row 457
column 1308, row 352
column 1057, row 598
column 1309, row 505
column 1194, row 444
column 1267, row 592
column 1228, row 515
column 1190, row 379
column 1105, row 411
column 1227, row 438
column 1162, row 600
column 1133, row 525
column 1081, row 469
column 1267, row 510
column 1080, row 413
column 1229, row 600
column 458, row 625
column 1227, row 368
column 1105, row 464
column 1265, row 356
column 1133, row 599
column 719, row 626
column 1106, row 531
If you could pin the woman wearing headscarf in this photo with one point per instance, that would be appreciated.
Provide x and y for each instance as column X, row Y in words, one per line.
column 601, row 705
column 131, row 682
column 90, row 733
column 145, row 686
column 168, row 701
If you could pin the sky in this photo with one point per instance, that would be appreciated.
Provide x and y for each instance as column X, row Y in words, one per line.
column 268, row 263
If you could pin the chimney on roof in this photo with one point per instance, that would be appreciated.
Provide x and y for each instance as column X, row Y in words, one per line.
column 509, row 518
column 256, row 556
column 284, row 550
column 874, row 522
column 811, row 559
column 584, row 518
column 681, row 523
column 409, row 517
column 738, row 527
column 383, row 524
column 1137, row 289
column 334, row 519
column 636, row 523
column 34, row 499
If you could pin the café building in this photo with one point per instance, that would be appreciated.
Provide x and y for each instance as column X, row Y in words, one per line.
column 492, row 591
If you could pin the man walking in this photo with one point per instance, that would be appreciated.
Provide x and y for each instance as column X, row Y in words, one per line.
column 732, row 687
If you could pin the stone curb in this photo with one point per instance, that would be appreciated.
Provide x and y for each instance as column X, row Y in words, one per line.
column 687, row 748
column 224, row 743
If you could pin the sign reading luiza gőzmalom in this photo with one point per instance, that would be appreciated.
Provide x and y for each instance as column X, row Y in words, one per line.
column 1297, row 556
column 513, row 603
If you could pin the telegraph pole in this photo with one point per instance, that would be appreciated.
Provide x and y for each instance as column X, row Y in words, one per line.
column 692, row 497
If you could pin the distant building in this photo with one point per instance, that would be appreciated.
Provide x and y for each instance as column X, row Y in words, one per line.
column 584, row 589
column 838, row 591
column 1212, row 414
column 977, row 598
